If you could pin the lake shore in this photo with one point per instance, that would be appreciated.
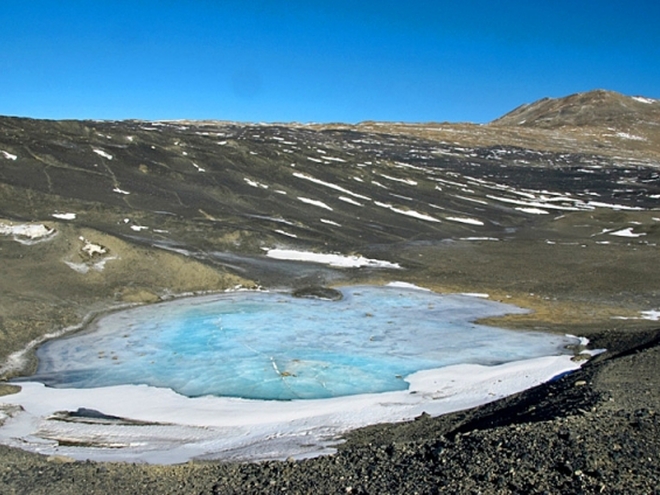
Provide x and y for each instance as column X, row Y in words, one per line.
column 593, row 431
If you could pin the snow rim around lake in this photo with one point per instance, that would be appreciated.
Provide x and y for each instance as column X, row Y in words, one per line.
column 163, row 427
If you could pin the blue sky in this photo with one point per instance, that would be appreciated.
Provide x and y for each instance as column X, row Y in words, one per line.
column 321, row 61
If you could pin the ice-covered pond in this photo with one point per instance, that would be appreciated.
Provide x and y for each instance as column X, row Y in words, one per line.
column 254, row 375
column 274, row 346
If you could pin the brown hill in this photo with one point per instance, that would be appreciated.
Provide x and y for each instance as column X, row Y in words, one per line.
column 593, row 108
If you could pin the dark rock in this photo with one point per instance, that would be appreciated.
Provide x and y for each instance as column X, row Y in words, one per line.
column 325, row 293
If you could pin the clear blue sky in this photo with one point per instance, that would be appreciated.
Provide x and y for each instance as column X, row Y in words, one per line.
column 314, row 60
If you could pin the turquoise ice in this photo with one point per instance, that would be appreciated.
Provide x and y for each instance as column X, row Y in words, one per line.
column 269, row 345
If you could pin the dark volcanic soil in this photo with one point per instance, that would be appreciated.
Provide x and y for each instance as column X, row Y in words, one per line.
column 560, row 215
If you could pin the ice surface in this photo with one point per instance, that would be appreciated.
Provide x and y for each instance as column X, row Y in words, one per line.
column 275, row 346
column 355, row 362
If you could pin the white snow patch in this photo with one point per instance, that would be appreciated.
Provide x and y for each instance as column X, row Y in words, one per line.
column 330, row 185
column 102, row 153
column 653, row 315
column 480, row 295
column 31, row 231
column 598, row 204
column 332, row 259
column 27, row 233
column 8, row 155
column 479, row 239
column 240, row 429
column 139, row 228
column 410, row 213
column 413, row 167
column 90, row 248
column 532, row 211
column 465, row 198
column 199, row 169
column 83, row 268
column 330, row 222
column 120, row 191
column 641, row 99
column 349, row 200
column 288, row 234
column 632, row 137
column 539, row 204
column 407, row 285
column 410, row 182
column 312, row 159
column 254, row 183
column 469, row 221
column 64, row 216
column 314, row 202
column 626, row 233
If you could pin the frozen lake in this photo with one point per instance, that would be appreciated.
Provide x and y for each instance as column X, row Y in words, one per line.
column 262, row 345
column 255, row 375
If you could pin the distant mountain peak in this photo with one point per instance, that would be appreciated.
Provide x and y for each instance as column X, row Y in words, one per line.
column 592, row 108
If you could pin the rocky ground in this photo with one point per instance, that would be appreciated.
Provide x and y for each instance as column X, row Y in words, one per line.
column 554, row 207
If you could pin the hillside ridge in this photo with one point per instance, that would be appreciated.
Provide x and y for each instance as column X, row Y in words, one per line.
column 591, row 108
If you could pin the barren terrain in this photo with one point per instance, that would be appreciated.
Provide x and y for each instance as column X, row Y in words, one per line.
column 554, row 207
